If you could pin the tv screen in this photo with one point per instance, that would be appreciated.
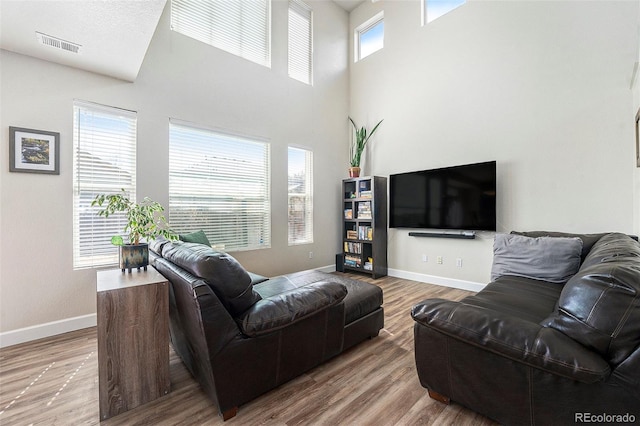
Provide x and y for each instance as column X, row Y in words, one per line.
column 460, row 197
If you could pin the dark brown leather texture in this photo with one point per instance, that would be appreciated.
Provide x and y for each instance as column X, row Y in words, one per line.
column 281, row 310
column 295, row 323
column 526, row 351
column 600, row 306
column 226, row 277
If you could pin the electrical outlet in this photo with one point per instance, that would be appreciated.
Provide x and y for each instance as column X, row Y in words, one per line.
column 439, row 260
column 310, row 255
column 425, row 258
column 459, row 262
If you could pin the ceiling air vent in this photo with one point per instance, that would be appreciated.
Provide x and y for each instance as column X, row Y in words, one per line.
column 58, row 43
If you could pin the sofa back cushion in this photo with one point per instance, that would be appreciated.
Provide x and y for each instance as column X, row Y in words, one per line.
column 543, row 258
column 226, row 277
column 588, row 240
column 600, row 305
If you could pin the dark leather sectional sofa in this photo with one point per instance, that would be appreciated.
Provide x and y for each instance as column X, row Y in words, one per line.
column 528, row 351
column 241, row 335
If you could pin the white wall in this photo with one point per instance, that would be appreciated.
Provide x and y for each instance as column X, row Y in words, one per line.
column 635, row 87
column 541, row 87
column 184, row 79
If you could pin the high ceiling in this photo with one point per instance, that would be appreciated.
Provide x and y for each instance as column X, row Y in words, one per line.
column 349, row 5
column 112, row 36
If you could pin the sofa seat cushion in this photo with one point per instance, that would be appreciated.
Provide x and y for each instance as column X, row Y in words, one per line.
column 226, row 277
column 278, row 311
column 362, row 297
column 600, row 306
column 524, row 298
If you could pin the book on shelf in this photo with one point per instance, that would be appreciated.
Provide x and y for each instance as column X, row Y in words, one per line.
column 364, row 210
column 364, row 189
column 352, row 235
column 353, row 247
column 353, row 261
column 365, row 233
column 348, row 213
column 368, row 265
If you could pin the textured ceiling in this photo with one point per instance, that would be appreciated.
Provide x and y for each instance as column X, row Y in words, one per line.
column 114, row 34
column 349, row 5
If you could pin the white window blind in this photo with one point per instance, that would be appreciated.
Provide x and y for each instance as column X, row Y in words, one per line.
column 240, row 27
column 369, row 37
column 219, row 183
column 104, row 162
column 300, row 223
column 300, row 41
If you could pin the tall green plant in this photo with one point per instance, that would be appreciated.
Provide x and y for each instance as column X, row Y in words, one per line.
column 144, row 220
column 360, row 142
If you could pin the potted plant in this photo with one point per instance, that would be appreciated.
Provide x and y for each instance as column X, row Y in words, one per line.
column 357, row 146
column 144, row 220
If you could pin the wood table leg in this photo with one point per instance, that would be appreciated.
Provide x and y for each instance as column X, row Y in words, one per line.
column 439, row 397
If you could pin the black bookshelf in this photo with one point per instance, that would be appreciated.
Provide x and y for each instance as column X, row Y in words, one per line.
column 364, row 225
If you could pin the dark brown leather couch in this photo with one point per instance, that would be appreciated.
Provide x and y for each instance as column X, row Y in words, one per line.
column 526, row 351
column 241, row 335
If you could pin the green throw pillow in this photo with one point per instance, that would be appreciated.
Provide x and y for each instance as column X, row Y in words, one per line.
column 195, row 237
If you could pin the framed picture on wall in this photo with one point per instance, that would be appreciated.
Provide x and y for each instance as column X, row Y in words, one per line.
column 34, row 151
column 638, row 138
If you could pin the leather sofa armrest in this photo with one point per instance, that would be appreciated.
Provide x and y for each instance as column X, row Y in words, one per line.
column 279, row 311
column 514, row 338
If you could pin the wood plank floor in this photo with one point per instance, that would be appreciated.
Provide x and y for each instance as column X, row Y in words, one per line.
column 54, row 381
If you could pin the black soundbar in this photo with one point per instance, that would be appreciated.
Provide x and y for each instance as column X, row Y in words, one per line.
column 465, row 235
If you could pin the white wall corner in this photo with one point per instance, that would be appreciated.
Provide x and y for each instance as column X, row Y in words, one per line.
column 634, row 75
column 35, row 332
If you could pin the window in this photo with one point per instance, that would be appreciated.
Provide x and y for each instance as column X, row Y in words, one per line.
column 104, row 162
column 369, row 37
column 300, row 222
column 240, row 27
column 219, row 183
column 300, row 41
column 433, row 9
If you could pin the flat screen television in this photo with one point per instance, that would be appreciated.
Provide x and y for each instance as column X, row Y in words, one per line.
column 450, row 198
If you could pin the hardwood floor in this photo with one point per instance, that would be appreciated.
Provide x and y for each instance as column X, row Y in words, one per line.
column 54, row 381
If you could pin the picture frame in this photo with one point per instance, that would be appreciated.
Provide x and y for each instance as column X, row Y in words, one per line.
column 34, row 151
column 638, row 138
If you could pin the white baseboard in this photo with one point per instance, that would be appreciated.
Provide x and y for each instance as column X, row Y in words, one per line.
column 14, row 337
column 21, row 335
column 328, row 268
column 433, row 279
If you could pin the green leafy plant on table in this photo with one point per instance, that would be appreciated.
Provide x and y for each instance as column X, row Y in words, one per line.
column 144, row 220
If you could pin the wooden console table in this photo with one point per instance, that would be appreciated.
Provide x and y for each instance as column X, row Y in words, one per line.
column 133, row 339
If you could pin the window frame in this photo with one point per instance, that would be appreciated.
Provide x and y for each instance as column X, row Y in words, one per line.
column 95, row 237
column 301, row 9
column 201, row 21
column 424, row 11
column 363, row 28
column 307, row 194
column 215, row 197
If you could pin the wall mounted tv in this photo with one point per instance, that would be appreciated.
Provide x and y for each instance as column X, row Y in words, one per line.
column 450, row 198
